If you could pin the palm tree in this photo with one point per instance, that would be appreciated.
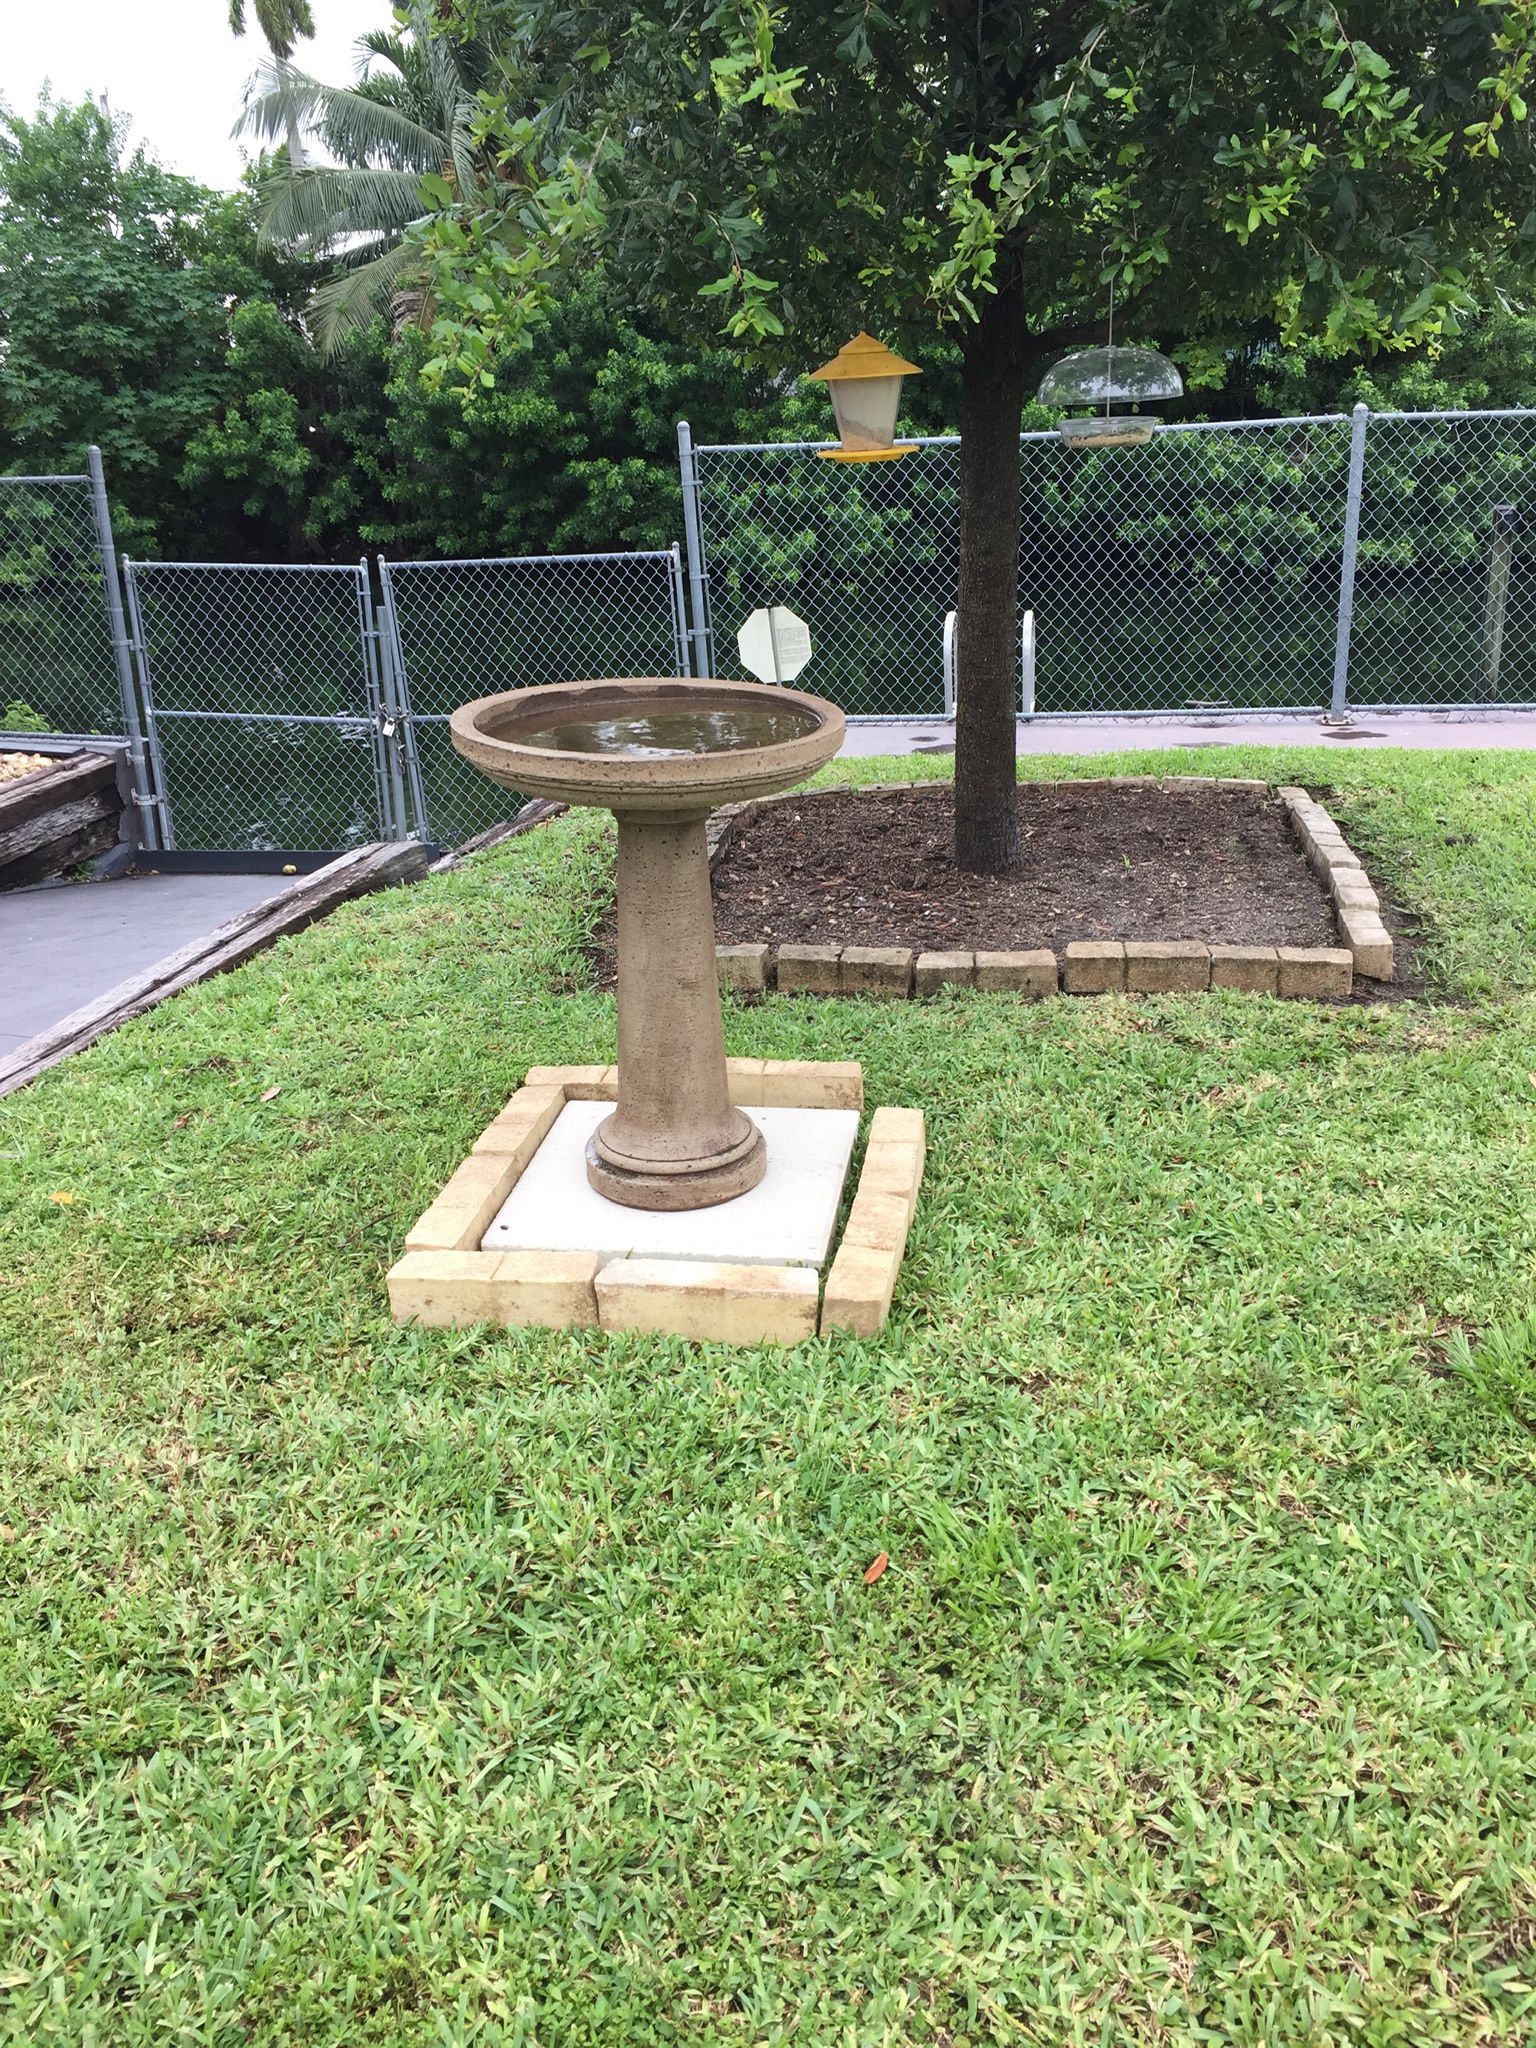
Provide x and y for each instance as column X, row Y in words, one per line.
column 281, row 22
column 408, row 116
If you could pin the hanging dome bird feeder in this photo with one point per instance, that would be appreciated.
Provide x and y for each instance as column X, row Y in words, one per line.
column 1104, row 383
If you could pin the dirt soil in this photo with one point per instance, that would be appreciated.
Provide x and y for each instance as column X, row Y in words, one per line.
column 873, row 868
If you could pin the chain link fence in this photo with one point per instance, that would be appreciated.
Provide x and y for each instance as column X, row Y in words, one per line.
column 1445, row 580
column 1263, row 565
column 261, row 705
column 457, row 630
column 63, row 658
column 1376, row 560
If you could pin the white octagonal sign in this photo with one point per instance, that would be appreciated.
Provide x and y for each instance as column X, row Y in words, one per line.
column 774, row 645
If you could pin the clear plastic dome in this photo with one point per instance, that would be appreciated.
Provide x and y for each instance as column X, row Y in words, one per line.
column 1107, row 376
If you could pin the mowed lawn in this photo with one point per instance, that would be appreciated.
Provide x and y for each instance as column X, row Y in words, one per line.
column 373, row 1686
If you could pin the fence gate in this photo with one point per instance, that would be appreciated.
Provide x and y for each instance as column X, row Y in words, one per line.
column 262, row 705
column 457, row 630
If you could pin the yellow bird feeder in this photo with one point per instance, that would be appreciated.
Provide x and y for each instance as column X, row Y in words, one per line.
column 864, row 378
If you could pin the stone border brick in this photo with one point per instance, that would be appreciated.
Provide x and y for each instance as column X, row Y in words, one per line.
column 944, row 970
column 875, row 971
column 862, row 1277
column 1254, row 968
column 1031, row 972
column 1315, row 970
column 1093, row 967
column 1342, row 874
column 808, row 970
column 1180, row 966
column 444, row 1280
column 1089, row 967
column 711, row 1302
column 743, row 968
column 452, row 1290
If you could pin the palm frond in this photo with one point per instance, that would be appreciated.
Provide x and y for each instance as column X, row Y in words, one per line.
column 317, row 206
column 354, row 126
column 346, row 303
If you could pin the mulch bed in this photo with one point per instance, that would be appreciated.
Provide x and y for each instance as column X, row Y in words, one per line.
column 874, row 868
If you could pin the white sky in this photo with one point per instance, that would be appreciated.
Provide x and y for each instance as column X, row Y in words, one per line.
column 171, row 66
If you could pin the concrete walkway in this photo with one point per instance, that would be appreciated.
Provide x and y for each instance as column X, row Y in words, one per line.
column 63, row 946
column 1459, row 728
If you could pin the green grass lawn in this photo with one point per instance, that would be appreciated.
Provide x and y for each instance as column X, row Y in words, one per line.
column 376, row 1686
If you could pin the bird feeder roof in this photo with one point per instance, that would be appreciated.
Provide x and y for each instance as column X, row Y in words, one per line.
column 1100, row 376
column 863, row 357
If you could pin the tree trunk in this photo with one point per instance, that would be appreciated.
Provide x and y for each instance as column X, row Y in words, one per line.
column 987, row 632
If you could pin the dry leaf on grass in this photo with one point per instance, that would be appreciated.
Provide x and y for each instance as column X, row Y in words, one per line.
column 876, row 1569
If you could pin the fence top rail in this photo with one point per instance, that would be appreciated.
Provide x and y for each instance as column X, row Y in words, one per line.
column 59, row 479
column 519, row 561
column 266, row 568
column 1309, row 419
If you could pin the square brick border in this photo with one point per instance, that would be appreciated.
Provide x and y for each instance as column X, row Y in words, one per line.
column 1087, row 967
column 445, row 1281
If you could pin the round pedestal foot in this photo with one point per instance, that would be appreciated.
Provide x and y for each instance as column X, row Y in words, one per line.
column 680, row 1184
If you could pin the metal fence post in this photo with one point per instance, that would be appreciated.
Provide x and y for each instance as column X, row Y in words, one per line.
column 397, row 701
column 698, row 586
column 1359, row 421
column 381, row 728
column 164, row 834
column 1506, row 518
column 122, row 661
column 680, row 615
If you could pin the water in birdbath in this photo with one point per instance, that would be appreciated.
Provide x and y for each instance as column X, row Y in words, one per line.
column 665, row 735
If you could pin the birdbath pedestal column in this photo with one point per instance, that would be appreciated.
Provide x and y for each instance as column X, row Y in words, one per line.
column 661, row 753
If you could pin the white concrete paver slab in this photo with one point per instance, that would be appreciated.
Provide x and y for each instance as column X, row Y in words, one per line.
column 786, row 1220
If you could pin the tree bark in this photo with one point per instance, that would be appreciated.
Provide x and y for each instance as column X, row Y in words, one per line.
column 987, row 631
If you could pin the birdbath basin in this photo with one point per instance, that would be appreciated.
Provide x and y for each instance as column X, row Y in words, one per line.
column 661, row 754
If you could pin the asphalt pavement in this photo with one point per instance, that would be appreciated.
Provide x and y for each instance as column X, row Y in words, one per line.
column 63, row 945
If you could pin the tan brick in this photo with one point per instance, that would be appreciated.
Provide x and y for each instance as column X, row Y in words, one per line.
column 934, row 970
column 743, row 968
column 548, row 1290
column 1029, row 973
column 1349, row 885
column 808, row 970
column 892, row 1124
column 1330, row 857
column 1369, row 942
column 875, row 971
column 744, row 1080
column 880, row 1222
column 892, row 1170
column 812, row 1084
column 452, row 1290
column 1255, row 968
column 1314, row 970
column 1094, row 966
column 1153, row 966
column 519, row 1130
column 1247, row 783
column 859, row 1289
column 462, row 1213
column 1130, row 782
column 711, row 1303
column 1289, row 793
column 444, row 1290
column 581, row 1084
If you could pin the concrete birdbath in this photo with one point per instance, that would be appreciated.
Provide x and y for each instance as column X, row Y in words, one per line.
column 661, row 754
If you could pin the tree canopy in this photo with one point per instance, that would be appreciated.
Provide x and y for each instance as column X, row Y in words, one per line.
column 1350, row 175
